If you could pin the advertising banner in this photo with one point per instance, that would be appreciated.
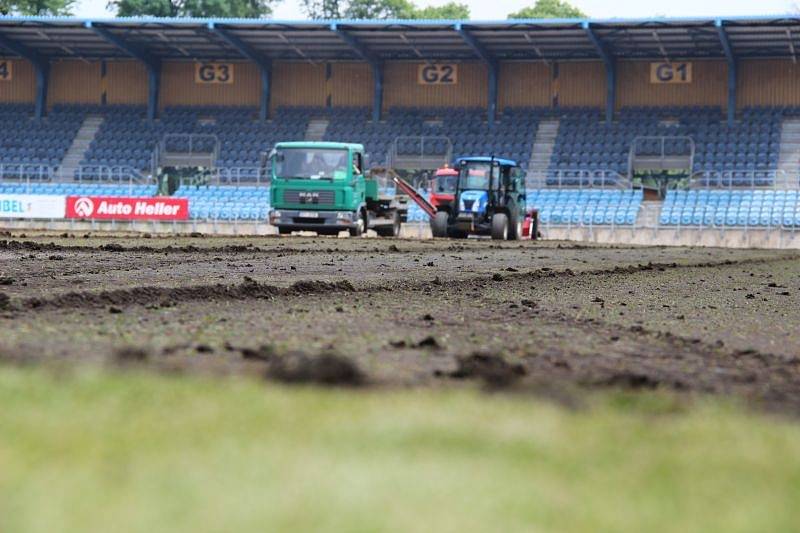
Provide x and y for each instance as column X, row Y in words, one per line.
column 32, row 206
column 125, row 208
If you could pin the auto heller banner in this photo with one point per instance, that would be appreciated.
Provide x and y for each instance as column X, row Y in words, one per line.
column 125, row 208
column 32, row 206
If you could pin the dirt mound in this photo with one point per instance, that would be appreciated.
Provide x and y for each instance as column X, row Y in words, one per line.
column 130, row 355
column 148, row 296
column 30, row 246
column 627, row 380
column 319, row 287
column 264, row 353
column 493, row 370
column 324, row 369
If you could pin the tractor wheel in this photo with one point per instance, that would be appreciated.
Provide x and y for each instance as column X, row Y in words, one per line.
column 361, row 226
column 439, row 225
column 499, row 227
column 514, row 227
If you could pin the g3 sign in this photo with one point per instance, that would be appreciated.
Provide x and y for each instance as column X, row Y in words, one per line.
column 6, row 71
column 440, row 74
column 670, row 73
column 213, row 73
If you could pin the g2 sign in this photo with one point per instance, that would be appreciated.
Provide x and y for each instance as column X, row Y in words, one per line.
column 439, row 74
column 213, row 73
column 670, row 73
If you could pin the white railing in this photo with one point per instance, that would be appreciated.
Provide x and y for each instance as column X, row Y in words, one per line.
column 416, row 149
column 676, row 146
column 240, row 176
column 188, row 149
column 109, row 174
column 743, row 179
column 578, row 179
column 25, row 172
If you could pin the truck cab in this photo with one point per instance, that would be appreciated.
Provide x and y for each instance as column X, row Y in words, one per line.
column 443, row 188
column 323, row 187
column 489, row 199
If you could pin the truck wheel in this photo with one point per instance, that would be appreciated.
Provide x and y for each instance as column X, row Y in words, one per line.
column 439, row 225
column 395, row 231
column 284, row 231
column 499, row 227
column 390, row 231
column 361, row 225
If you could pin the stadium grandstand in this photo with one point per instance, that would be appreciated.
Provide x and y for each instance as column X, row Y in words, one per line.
column 657, row 123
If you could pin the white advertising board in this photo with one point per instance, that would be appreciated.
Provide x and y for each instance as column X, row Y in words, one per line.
column 32, row 206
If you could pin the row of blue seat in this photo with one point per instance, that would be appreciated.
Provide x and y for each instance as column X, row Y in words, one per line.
column 731, row 208
column 751, row 143
column 78, row 189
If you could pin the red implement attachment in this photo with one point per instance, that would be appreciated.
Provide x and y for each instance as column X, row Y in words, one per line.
column 530, row 226
column 414, row 195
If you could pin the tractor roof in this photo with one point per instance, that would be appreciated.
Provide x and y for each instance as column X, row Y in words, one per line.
column 446, row 171
column 321, row 145
column 486, row 159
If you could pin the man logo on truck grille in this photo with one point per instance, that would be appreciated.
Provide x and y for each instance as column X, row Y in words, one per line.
column 309, row 197
column 84, row 207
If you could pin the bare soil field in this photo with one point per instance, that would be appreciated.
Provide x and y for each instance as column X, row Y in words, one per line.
column 544, row 317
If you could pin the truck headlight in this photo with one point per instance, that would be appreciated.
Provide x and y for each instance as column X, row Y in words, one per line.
column 275, row 215
column 344, row 215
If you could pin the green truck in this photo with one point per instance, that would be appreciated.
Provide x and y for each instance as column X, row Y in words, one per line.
column 324, row 187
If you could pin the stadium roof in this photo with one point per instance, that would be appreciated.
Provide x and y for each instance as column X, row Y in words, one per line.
column 222, row 39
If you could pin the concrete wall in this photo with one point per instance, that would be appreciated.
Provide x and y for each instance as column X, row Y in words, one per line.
column 729, row 238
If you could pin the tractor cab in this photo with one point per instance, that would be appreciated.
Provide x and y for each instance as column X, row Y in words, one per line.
column 487, row 183
column 489, row 199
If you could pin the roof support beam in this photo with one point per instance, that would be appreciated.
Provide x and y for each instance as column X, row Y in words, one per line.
column 729, row 55
column 40, row 64
column 264, row 65
column 611, row 70
column 491, row 65
column 661, row 48
column 375, row 62
column 152, row 64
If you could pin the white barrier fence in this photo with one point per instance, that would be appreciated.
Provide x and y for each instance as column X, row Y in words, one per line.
column 32, row 206
column 59, row 207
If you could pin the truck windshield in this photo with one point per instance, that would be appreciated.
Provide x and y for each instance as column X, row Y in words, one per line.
column 310, row 163
column 475, row 176
column 446, row 184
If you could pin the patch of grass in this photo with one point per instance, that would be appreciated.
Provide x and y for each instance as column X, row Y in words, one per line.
column 93, row 451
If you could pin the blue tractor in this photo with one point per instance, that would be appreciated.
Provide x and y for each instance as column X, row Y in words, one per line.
column 489, row 200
